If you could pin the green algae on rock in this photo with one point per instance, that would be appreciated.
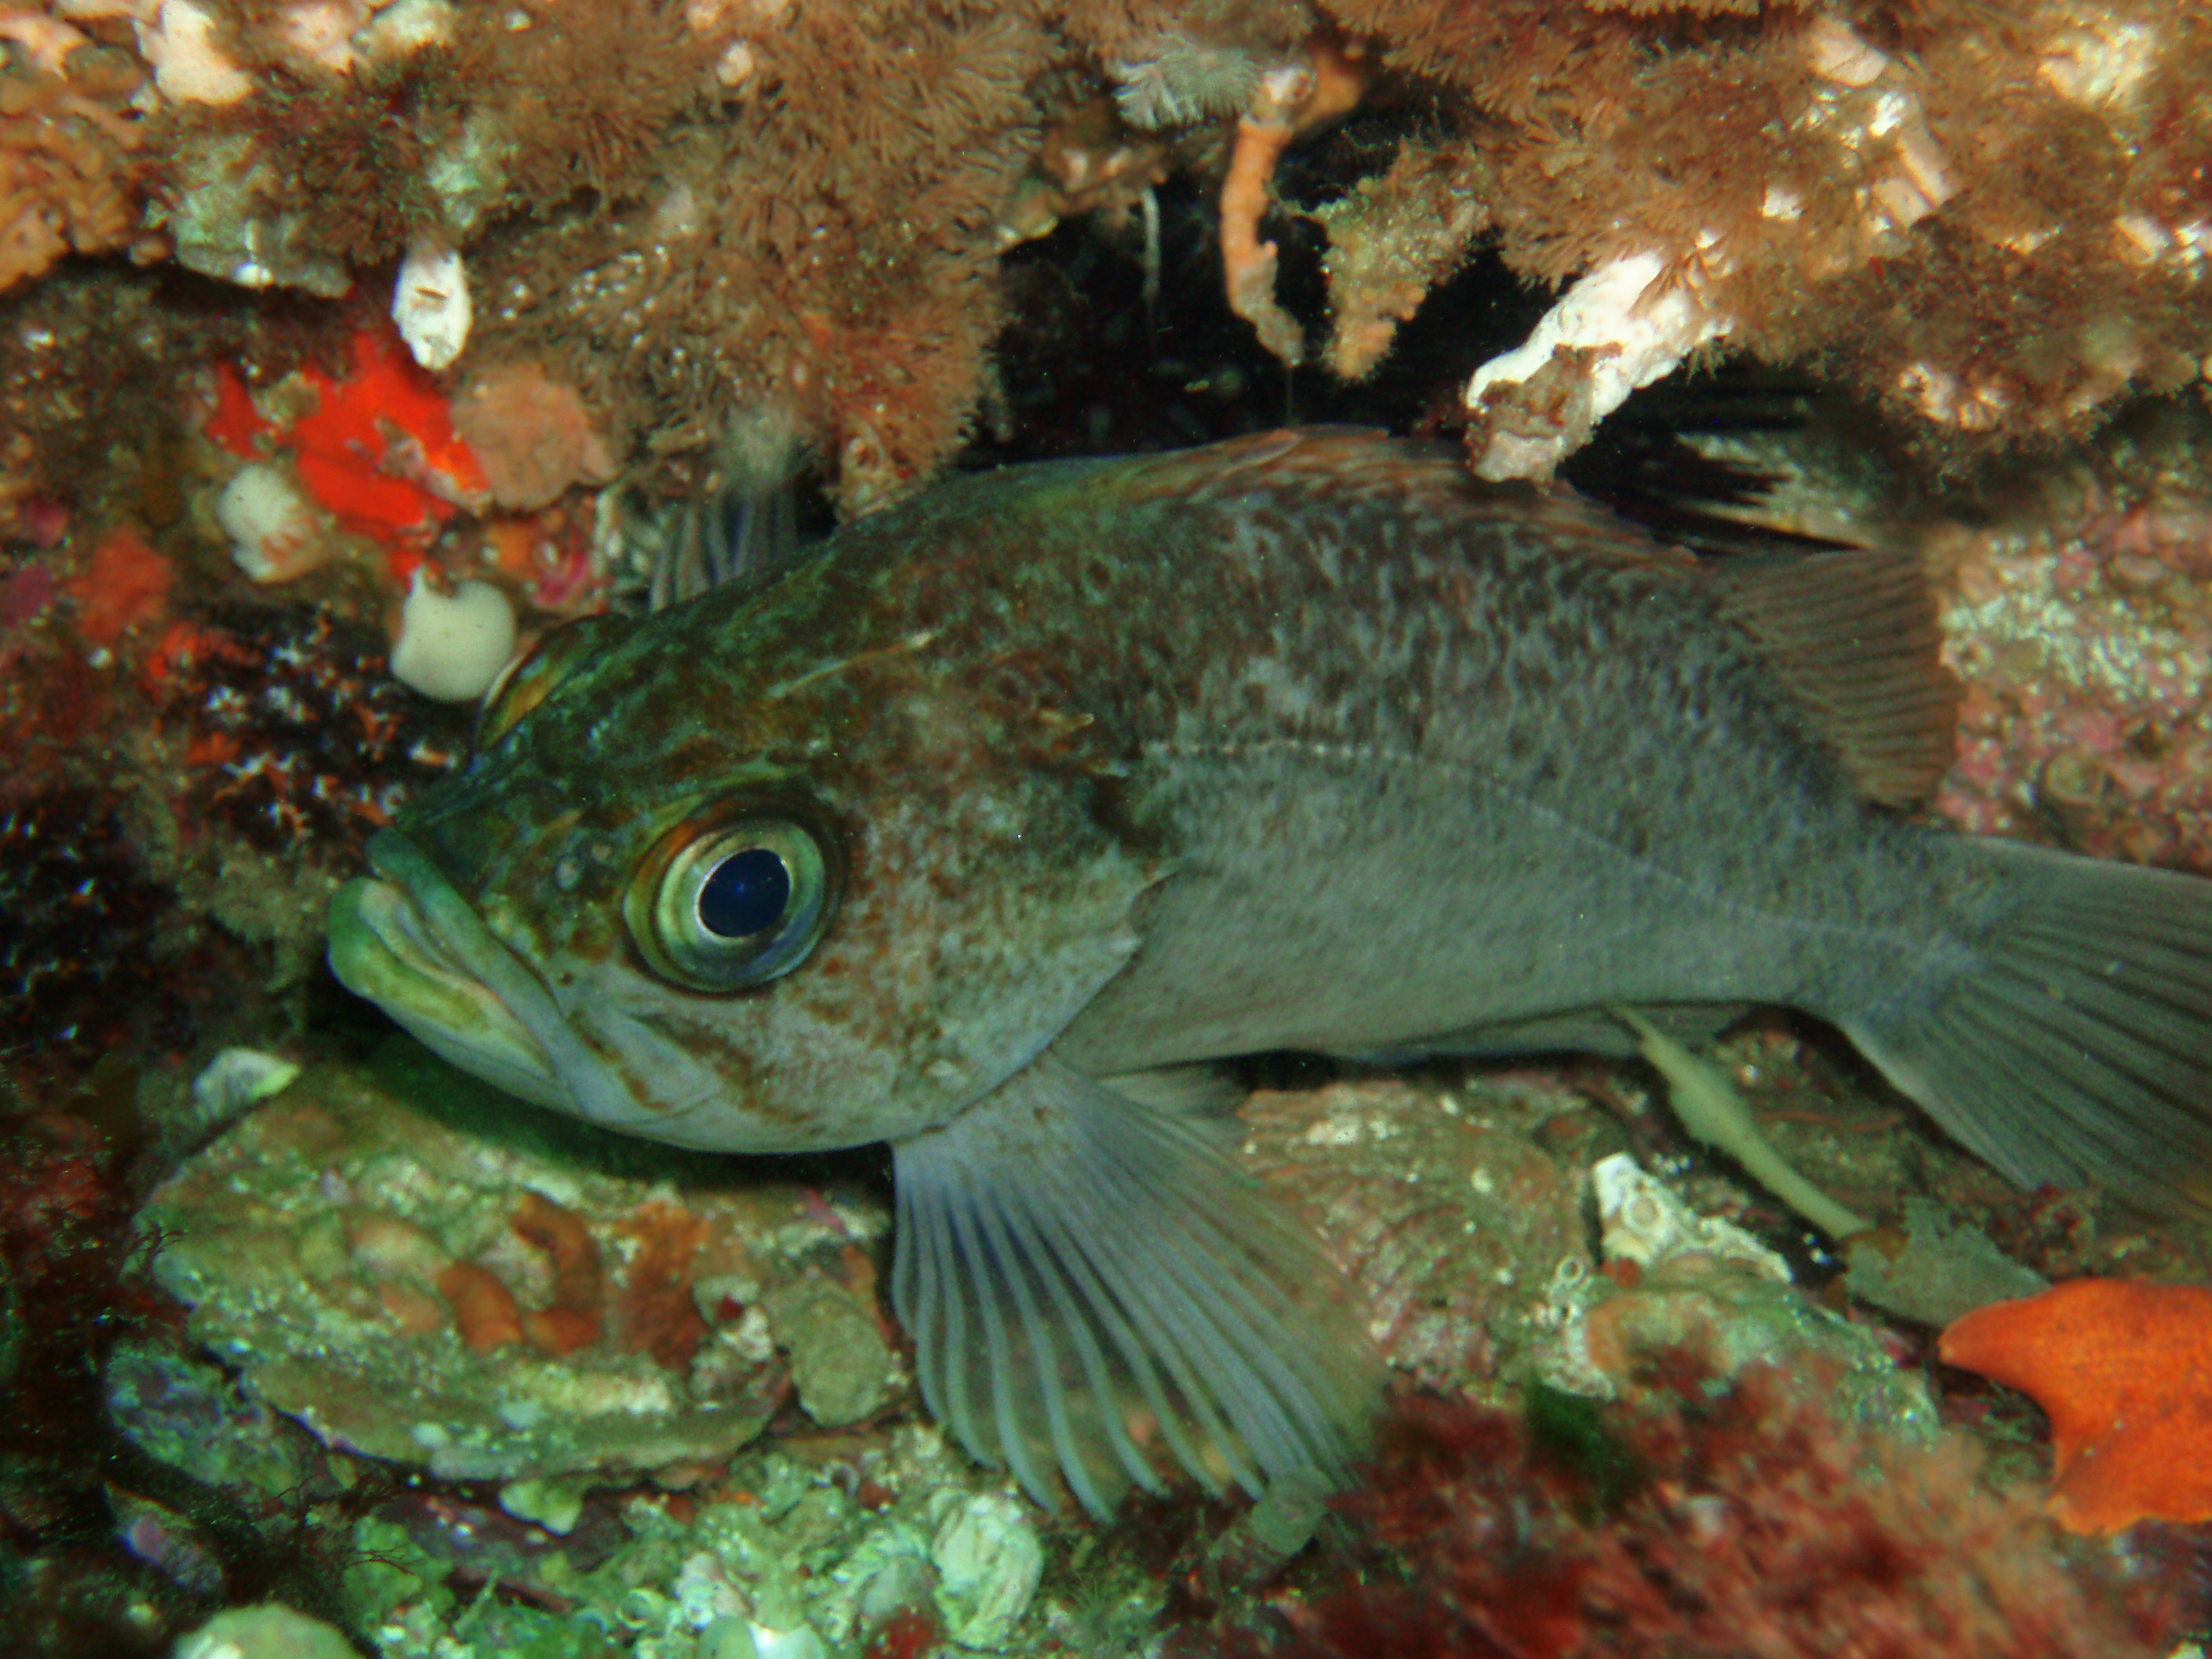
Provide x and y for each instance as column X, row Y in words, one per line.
column 271, row 1631
column 187, row 1411
column 389, row 1256
column 841, row 1362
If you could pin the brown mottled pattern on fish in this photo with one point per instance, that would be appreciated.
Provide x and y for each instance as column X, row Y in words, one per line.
column 1061, row 773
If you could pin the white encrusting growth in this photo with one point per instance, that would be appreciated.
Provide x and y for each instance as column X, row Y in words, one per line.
column 1637, row 325
column 237, row 1078
column 1871, row 104
column 189, row 68
column 1643, row 1222
column 276, row 533
column 1942, row 398
column 988, row 1563
column 452, row 645
column 407, row 27
column 321, row 31
column 2102, row 65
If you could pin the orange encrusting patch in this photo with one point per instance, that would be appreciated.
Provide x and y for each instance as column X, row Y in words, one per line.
column 183, row 645
column 2122, row 1368
column 379, row 449
column 483, row 1308
column 127, row 584
column 571, row 1320
column 656, row 1314
column 416, row 1314
column 236, row 424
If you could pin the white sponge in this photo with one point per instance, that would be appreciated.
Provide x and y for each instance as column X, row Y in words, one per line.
column 452, row 645
column 276, row 533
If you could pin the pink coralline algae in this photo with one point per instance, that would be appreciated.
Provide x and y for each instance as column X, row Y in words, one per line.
column 2082, row 628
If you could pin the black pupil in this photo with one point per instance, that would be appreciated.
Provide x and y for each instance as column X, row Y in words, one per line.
column 745, row 894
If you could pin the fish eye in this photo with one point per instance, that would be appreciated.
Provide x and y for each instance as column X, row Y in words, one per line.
column 746, row 894
column 729, row 904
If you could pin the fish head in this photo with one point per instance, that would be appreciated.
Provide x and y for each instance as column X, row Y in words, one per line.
column 766, row 873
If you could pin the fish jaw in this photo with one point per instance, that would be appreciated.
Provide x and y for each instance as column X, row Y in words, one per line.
column 381, row 949
column 408, row 942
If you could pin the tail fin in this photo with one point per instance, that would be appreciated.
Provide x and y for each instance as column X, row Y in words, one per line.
column 2076, row 1042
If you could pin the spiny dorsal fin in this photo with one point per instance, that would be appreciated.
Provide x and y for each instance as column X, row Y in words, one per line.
column 1346, row 463
column 1855, row 637
column 1852, row 634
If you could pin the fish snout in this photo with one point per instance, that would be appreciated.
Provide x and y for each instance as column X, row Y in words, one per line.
column 386, row 948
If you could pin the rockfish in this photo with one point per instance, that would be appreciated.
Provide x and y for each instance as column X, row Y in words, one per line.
column 964, row 834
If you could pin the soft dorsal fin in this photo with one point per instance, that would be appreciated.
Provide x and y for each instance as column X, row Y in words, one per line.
column 1855, row 637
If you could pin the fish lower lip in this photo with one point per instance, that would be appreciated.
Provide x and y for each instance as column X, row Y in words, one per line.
column 378, row 951
column 409, row 944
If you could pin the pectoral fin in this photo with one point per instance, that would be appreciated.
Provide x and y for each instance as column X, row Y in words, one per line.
column 1092, row 1286
column 1202, row 1091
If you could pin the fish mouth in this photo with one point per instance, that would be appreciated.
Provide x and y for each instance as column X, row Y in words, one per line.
column 406, row 940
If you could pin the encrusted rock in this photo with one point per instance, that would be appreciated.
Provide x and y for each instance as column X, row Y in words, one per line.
column 1681, row 1288
column 1447, row 1216
column 1935, row 1268
column 223, row 221
column 271, row 1631
column 988, row 1561
column 840, row 1361
column 1641, row 1220
column 187, row 1412
column 420, row 1270
column 554, row 1505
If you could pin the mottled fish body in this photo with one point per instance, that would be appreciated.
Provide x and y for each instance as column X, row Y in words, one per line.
column 1062, row 773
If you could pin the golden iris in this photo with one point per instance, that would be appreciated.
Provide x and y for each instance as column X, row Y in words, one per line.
column 723, row 904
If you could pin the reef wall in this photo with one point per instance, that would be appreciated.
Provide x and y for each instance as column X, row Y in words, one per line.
column 346, row 347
